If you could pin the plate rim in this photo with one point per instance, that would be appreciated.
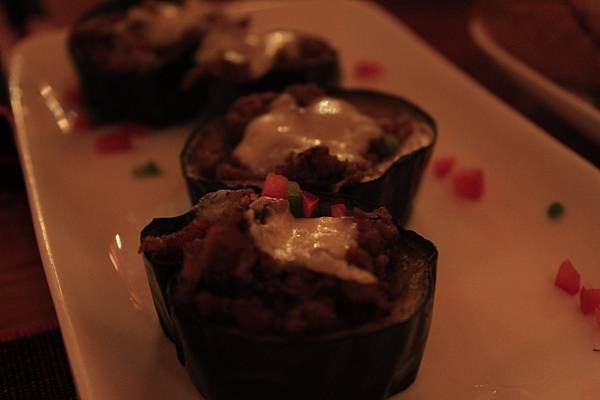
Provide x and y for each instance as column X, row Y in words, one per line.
column 548, row 92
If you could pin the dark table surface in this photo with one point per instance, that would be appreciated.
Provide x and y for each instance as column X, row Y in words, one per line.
column 24, row 298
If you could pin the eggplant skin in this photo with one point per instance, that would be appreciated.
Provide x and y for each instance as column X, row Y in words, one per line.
column 358, row 364
column 160, row 272
column 395, row 189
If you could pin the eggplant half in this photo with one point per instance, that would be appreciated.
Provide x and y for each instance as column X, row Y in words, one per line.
column 136, row 62
column 371, row 360
column 391, row 181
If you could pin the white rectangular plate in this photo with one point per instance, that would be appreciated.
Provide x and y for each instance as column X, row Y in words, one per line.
column 501, row 330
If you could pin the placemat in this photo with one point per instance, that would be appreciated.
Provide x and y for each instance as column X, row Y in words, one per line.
column 34, row 365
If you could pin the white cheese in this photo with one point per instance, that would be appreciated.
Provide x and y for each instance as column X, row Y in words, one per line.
column 287, row 128
column 319, row 244
column 235, row 45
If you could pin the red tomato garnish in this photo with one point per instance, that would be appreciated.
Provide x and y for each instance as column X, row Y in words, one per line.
column 309, row 203
column 368, row 70
column 275, row 186
column 115, row 142
column 443, row 166
column 339, row 210
column 468, row 183
column 568, row 278
column 81, row 122
column 72, row 97
column 589, row 300
column 134, row 129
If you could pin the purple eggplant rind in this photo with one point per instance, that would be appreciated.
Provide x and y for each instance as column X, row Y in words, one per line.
column 225, row 364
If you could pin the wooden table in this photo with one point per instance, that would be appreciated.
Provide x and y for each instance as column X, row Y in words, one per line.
column 24, row 298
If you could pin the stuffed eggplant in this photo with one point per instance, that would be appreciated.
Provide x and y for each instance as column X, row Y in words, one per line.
column 160, row 61
column 369, row 147
column 264, row 304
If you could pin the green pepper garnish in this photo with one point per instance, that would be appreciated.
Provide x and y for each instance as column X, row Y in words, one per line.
column 555, row 210
column 147, row 170
column 295, row 199
column 390, row 144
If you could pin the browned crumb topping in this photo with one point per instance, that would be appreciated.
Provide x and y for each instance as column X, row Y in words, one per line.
column 309, row 51
column 314, row 167
column 305, row 94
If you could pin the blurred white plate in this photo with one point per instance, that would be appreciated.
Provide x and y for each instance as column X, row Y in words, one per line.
column 572, row 108
column 501, row 330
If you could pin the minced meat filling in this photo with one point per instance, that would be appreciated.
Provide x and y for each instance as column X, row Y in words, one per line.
column 309, row 51
column 226, row 279
column 119, row 44
column 314, row 167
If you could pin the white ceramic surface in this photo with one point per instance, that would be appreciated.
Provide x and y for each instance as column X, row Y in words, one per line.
column 580, row 113
column 501, row 330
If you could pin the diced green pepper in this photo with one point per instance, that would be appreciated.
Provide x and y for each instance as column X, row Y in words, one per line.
column 147, row 170
column 295, row 199
column 390, row 144
column 555, row 210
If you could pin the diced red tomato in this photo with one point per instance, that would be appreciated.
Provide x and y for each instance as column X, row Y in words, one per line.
column 598, row 316
column 368, row 70
column 113, row 143
column 309, row 203
column 589, row 300
column 568, row 278
column 339, row 210
column 275, row 186
column 468, row 183
column 134, row 129
column 72, row 97
column 81, row 122
column 443, row 166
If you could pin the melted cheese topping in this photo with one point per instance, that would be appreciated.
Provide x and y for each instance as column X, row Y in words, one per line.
column 235, row 45
column 319, row 244
column 165, row 23
column 287, row 127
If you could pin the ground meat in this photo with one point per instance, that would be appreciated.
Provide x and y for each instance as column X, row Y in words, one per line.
column 226, row 171
column 308, row 51
column 225, row 278
column 314, row 167
column 221, row 260
column 227, row 70
column 316, row 315
column 244, row 110
column 305, row 94
column 170, row 247
column 377, row 231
